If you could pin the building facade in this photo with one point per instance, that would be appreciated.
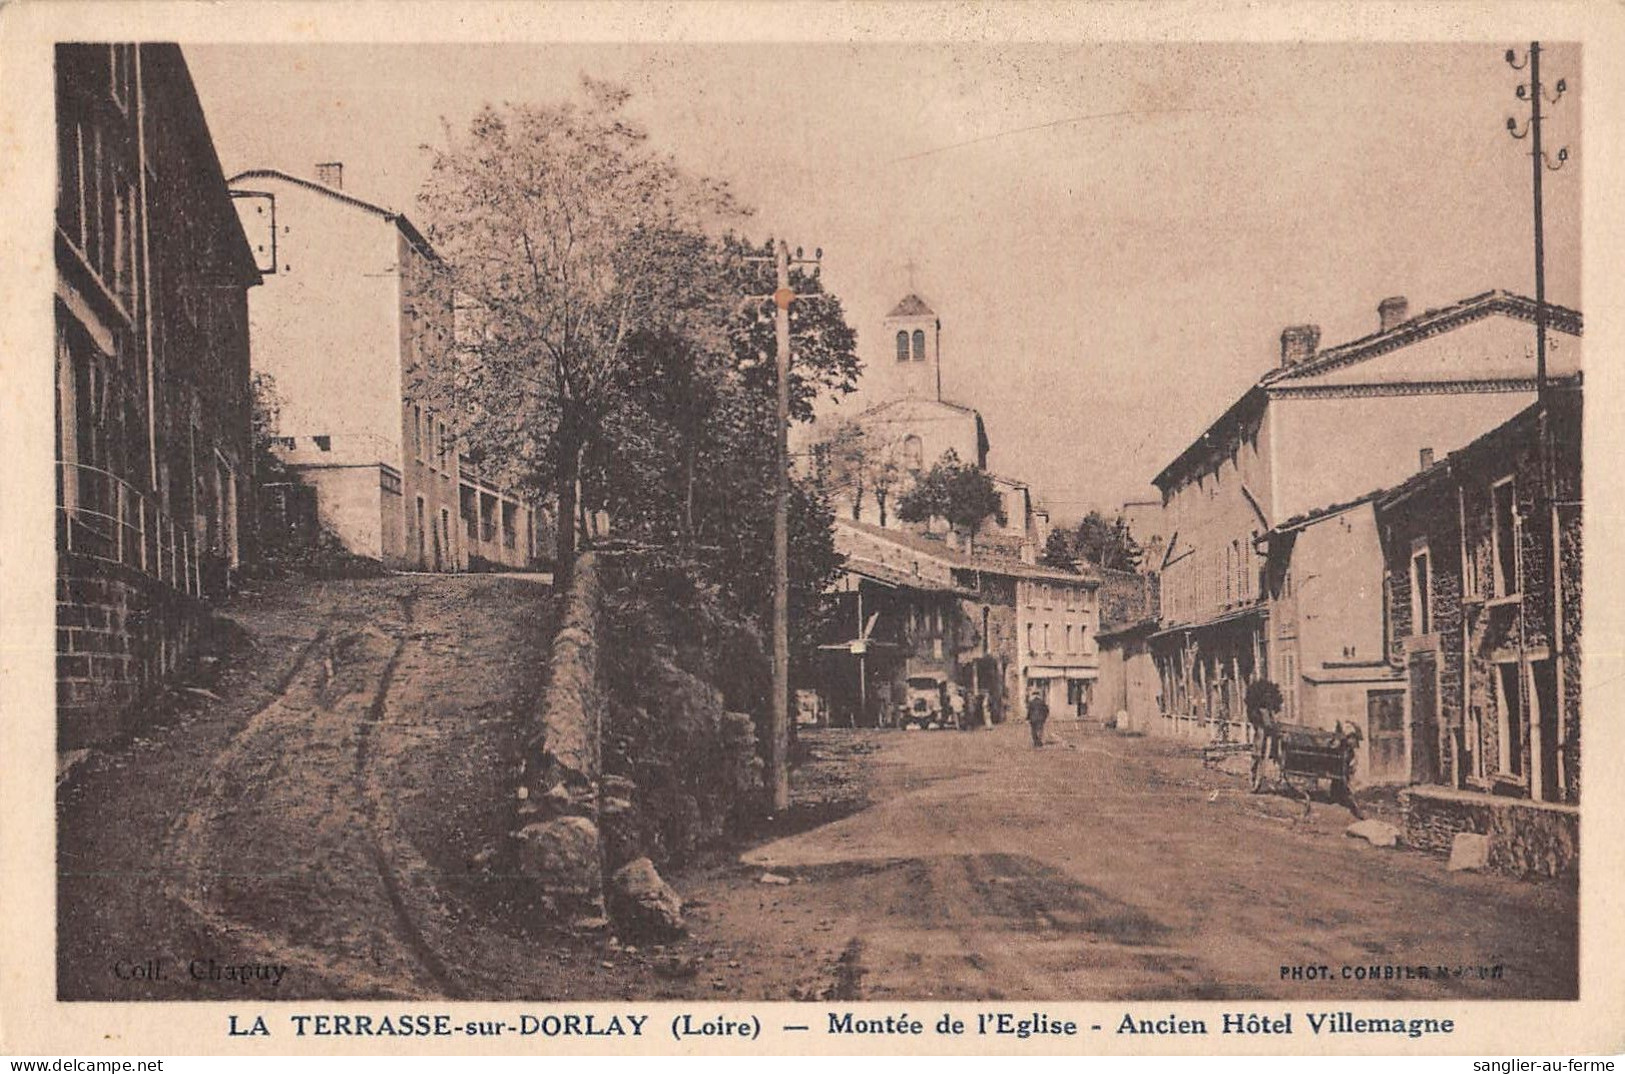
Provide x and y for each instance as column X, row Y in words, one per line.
column 1323, row 586
column 1323, row 427
column 993, row 624
column 352, row 311
column 1483, row 558
column 1129, row 693
column 153, row 444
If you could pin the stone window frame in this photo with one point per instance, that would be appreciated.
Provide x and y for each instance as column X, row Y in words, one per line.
column 1504, row 586
column 1421, row 588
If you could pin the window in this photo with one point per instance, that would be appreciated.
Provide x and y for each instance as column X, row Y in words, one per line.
column 1421, row 593
column 1289, row 685
column 902, row 346
column 919, row 345
column 417, row 431
column 1031, row 648
column 1504, row 537
column 913, row 452
column 323, row 443
column 1046, row 639
column 1509, row 702
column 1069, row 638
column 120, row 68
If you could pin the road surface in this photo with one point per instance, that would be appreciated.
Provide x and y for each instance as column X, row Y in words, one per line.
column 329, row 820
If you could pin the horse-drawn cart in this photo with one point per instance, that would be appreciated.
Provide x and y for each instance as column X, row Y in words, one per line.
column 1292, row 756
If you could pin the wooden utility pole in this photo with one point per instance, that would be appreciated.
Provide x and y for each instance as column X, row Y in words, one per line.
column 1534, row 93
column 779, row 738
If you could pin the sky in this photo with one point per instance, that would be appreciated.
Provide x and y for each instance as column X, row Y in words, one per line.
column 1113, row 235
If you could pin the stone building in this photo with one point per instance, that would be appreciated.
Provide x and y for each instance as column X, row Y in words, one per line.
column 154, row 459
column 876, row 455
column 1482, row 555
column 353, row 307
column 1129, row 694
column 1322, row 427
column 990, row 623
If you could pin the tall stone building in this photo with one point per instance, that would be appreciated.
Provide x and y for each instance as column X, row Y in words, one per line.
column 353, row 308
column 153, row 440
column 1322, row 428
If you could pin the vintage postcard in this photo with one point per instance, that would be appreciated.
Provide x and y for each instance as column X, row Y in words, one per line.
column 754, row 528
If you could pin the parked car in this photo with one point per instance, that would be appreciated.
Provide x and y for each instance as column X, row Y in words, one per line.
column 922, row 705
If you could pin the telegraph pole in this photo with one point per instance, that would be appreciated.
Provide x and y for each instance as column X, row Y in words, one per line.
column 779, row 743
column 778, row 739
column 1534, row 93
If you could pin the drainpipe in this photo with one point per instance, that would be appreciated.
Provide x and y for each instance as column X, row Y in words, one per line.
column 1466, row 645
column 143, row 293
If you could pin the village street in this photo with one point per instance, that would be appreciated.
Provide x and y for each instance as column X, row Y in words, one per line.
column 1108, row 867
column 339, row 814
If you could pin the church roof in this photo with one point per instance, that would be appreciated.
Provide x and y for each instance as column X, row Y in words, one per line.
column 912, row 305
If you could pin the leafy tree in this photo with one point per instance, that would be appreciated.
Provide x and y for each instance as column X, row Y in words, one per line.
column 1058, row 551
column 861, row 460
column 962, row 495
column 563, row 234
column 1106, row 542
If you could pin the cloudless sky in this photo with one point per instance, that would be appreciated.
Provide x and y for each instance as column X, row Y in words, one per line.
column 1107, row 286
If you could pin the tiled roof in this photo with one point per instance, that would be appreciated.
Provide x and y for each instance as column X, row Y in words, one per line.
column 891, row 576
column 398, row 219
column 1426, row 324
column 912, row 305
column 988, row 564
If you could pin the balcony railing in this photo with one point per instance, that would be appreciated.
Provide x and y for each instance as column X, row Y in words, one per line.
column 102, row 516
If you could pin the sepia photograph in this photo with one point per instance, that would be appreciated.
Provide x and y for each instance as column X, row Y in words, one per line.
column 891, row 520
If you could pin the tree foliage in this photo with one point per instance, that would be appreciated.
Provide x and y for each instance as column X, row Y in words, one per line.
column 563, row 235
column 1097, row 540
column 961, row 494
column 1058, row 551
column 857, row 460
column 615, row 343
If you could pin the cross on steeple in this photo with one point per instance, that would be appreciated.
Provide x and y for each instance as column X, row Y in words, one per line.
column 910, row 266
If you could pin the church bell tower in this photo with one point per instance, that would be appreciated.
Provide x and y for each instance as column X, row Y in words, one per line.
column 914, row 333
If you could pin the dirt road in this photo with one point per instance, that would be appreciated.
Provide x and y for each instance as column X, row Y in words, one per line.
column 1105, row 867
column 317, row 827
column 330, row 824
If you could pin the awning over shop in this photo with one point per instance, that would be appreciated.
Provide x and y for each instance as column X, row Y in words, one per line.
column 1052, row 672
column 893, row 578
column 1258, row 610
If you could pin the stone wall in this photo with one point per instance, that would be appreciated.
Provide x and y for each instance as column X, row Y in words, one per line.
column 1527, row 838
column 119, row 633
column 559, row 842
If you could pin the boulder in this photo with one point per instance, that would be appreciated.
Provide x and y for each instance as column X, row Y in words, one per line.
column 642, row 904
column 562, row 854
column 1469, row 851
column 1377, row 833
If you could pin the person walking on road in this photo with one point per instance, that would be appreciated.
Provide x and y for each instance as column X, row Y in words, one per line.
column 1037, row 717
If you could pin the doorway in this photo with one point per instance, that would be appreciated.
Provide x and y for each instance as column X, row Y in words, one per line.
column 1385, row 719
column 1425, row 717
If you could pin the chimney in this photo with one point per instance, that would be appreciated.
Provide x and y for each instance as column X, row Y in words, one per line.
column 1298, row 343
column 1392, row 312
column 331, row 174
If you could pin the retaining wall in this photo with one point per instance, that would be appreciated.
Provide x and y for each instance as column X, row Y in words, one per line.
column 1527, row 838
column 559, row 841
column 119, row 633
